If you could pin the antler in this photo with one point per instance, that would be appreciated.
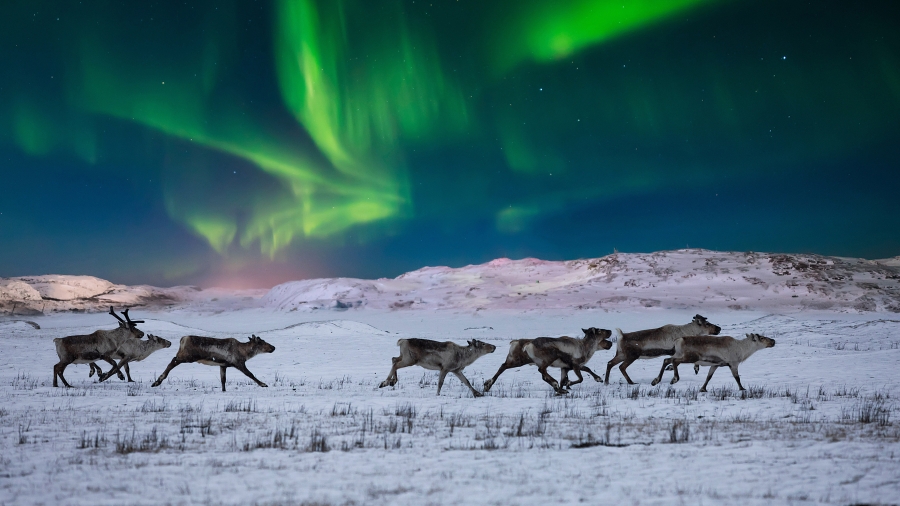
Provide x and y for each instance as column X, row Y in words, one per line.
column 130, row 321
column 117, row 316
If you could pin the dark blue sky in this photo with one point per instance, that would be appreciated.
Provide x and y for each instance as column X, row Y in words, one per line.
column 248, row 143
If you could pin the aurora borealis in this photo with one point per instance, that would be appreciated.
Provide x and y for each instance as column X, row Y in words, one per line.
column 251, row 142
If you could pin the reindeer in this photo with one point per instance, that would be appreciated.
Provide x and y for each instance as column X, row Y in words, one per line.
column 117, row 355
column 438, row 356
column 224, row 353
column 134, row 350
column 517, row 358
column 652, row 343
column 99, row 345
column 568, row 354
column 714, row 352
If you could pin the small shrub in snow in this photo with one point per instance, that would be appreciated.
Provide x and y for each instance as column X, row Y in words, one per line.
column 240, row 406
column 679, row 432
column 317, row 442
column 868, row 410
column 148, row 442
column 97, row 441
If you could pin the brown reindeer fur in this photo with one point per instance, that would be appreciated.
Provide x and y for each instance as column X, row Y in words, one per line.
column 652, row 343
column 714, row 352
column 517, row 358
column 98, row 345
column 567, row 353
column 223, row 353
column 445, row 357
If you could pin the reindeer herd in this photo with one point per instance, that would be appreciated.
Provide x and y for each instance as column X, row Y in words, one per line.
column 697, row 343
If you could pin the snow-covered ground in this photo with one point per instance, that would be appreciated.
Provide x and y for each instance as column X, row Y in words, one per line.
column 818, row 423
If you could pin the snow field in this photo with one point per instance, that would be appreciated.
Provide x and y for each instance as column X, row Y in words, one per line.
column 817, row 424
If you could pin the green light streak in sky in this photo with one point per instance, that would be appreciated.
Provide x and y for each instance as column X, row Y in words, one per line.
column 358, row 97
column 356, row 122
column 548, row 30
column 359, row 93
column 319, row 202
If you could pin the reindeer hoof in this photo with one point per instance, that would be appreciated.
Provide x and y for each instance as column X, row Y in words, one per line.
column 155, row 384
column 654, row 382
column 703, row 389
column 487, row 385
column 263, row 385
column 674, row 380
column 478, row 394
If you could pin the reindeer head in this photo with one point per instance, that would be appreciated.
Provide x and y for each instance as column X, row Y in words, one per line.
column 706, row 327
column 763, row 340
column 601, row 336
column 482, row 346
column 128, row 324
column 260, row 346
column 163, row 343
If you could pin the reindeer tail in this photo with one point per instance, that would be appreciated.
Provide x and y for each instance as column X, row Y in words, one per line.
column 619, row 337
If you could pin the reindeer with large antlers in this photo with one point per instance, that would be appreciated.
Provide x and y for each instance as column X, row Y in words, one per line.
column 99, row 345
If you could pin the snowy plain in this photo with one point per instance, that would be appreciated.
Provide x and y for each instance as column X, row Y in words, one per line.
column 818, row 423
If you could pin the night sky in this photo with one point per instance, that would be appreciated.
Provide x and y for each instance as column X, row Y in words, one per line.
column 245, row 143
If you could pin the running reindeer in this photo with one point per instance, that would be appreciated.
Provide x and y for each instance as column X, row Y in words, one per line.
column 224, row 353
column 567, row 354
column 517, row 356
column 98, row 345
column 445, row 357
column 714, row 352
column 653, row 343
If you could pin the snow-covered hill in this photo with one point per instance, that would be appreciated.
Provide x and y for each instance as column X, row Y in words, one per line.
column 681, row 279
column 668, row 279
column 29, row 295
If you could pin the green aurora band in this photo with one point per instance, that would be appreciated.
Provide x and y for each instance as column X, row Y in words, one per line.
column 367, row 91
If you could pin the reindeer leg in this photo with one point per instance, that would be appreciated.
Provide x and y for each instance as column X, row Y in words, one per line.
column 624, row 366
column 550, row 381
column 564, row 377
column 596, row 378
column 243, row 369
column 734, row 372
column 115, row 369
column 58, row 371
column 165, row 373
column 675, row 370
column 441, row 377
column 94, row 368
column 112, row 363
column 712, row 369
column 127, row 372
column 578, row 374
column 489, row 383
column 222, row 369
column 397, row 363
column 666, row 363
column 609, row 365
column 465, row 381
column 696, row 368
